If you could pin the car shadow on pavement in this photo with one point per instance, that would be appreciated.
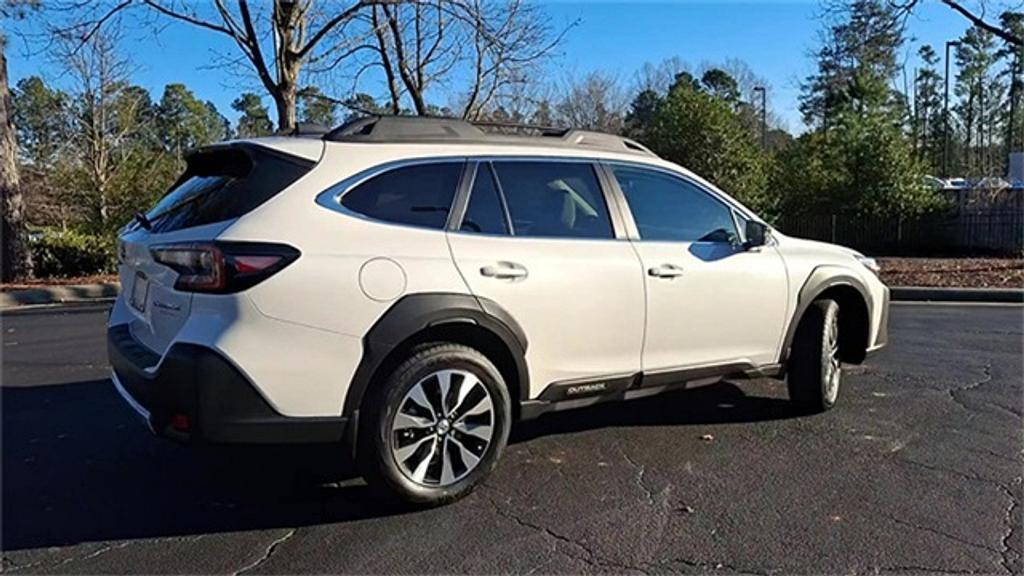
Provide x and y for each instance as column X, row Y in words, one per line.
column 78, row 466
column 720, row 403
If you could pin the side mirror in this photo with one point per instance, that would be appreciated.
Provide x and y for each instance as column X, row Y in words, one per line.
column 756, row 234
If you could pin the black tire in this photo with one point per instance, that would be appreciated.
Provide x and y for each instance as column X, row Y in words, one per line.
column 378, row 442
column 814, row 375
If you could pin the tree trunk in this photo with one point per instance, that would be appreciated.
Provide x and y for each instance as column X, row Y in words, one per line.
column 285, row 98
column 14, row 256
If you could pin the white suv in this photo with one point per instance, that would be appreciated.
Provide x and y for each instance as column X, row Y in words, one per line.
column 410, row 287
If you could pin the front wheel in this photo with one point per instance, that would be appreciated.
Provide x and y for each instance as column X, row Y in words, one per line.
column 815, row 367
column 437, row 426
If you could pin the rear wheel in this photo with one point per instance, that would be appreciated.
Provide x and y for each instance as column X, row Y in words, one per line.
column 815, row 367
column 437, row 426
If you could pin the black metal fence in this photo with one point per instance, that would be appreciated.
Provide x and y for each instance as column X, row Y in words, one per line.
column 980, row 232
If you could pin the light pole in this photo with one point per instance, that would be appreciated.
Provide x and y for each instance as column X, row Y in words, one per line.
column 945, row 115
column 1010, row 139
column 764, row 116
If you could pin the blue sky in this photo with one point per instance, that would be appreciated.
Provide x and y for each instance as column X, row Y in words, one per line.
column 774, row 38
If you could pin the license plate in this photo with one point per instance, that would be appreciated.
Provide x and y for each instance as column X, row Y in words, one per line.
column 140, row 290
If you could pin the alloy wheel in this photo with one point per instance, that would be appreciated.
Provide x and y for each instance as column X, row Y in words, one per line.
column 442, row 428
column 833, row 365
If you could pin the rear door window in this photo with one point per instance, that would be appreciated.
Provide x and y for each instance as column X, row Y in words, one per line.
column 417, row 195
column 554, row 199
column 222, row 184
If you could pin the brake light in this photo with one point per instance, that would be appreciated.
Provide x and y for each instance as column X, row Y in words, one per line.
column 223, row 267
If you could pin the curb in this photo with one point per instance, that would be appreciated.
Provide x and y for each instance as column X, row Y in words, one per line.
column 926, row 294
column 59, row 294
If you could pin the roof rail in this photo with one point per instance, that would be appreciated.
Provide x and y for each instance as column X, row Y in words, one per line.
column 515, row 128
column 430, row 129
column 307, row 129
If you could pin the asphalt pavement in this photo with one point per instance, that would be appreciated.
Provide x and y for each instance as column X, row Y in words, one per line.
column 917, row 470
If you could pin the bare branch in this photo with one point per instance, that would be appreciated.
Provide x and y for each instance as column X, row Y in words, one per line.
column 980, row 22
column 330, row 25
column 187, row 18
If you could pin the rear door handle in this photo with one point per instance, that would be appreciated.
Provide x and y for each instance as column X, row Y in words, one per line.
column 504, row 271
column 665, row 271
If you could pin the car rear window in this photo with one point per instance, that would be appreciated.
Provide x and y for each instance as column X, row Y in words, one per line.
column 223, row 184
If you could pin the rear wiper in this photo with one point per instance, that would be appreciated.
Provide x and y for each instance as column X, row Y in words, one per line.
column 143, row 221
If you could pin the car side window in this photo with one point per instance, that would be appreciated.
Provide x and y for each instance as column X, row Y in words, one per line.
column 485, row 213
column 671, row 209
column 554, row 199
column 417, row 195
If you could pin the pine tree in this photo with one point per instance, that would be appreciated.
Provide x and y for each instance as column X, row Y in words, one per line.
column 981, row 93
column 860, row 44
column 1013, row 75
column 928, row 127
column 255, row 119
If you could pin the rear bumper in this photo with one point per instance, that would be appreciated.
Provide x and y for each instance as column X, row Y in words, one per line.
column 194, row 394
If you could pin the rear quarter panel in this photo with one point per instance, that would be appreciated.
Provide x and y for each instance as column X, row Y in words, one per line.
column 322, row 288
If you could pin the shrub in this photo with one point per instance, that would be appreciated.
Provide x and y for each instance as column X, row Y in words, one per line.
column 68, row 254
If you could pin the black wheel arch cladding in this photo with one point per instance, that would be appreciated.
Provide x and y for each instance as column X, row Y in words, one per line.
column 855, row 307
column 417, row 318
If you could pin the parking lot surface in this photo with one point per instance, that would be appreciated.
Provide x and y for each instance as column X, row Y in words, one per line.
column 917, row 470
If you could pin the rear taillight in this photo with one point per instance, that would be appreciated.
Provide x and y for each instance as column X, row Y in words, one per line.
column 223, row 267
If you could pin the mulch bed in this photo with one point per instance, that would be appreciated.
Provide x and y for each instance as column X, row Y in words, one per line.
column 954, row 272
column 43, row 282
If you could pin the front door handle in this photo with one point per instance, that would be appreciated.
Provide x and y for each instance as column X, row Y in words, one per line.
column 504, row 271
column 665, row 271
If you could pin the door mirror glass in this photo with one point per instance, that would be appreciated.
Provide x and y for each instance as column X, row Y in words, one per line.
column 756, row 234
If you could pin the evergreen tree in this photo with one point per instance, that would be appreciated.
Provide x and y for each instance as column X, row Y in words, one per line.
column 928, row 126
column 859, row 158
column 704, row 133
column 1013, row 75
column 981, row 94
column 721, row 85
column 642, row 114
column 860, row 46
column 361, row 104
column 255, row 119
column 40, row 116
column 185, row 122
column 315, row 108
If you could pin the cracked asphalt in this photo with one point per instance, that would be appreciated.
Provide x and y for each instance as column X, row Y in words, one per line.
column 918, row 470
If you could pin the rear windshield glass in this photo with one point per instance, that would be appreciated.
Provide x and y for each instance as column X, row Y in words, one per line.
column 223, row 184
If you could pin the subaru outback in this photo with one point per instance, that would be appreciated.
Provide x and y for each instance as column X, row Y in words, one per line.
column 409, row 288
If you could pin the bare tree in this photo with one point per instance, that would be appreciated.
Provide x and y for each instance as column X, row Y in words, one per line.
column 111, row 165
column 420, row 45
column 14, row 255
column 595, row 102
column 660, row 77
column 274, row 44
column 417, row 45
column 100, row 77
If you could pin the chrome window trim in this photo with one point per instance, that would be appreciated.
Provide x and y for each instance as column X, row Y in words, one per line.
column 717, row 194
column 331, row 197
column 721, row 197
